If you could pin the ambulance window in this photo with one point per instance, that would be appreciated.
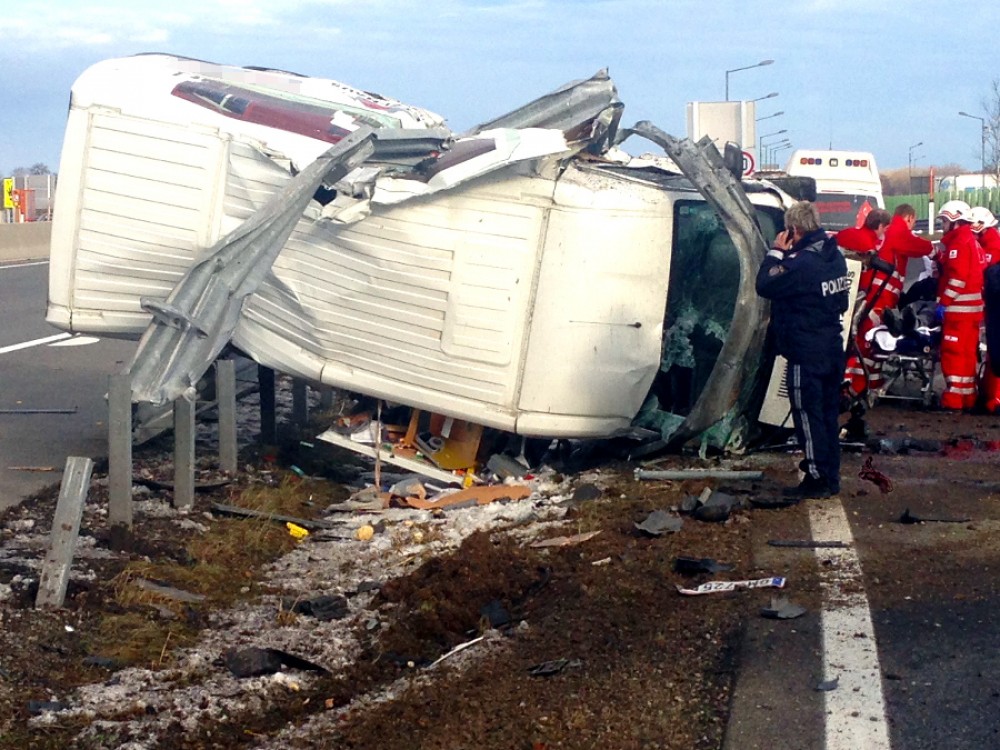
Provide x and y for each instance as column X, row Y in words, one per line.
column 840, row 210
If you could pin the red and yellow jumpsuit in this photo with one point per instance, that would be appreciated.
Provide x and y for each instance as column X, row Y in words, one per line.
column 960, row 292
column 989, row 239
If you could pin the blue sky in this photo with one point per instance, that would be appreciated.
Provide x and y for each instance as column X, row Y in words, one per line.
column 869, row 75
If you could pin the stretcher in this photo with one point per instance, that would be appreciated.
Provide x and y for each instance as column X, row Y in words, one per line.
column 909, row 348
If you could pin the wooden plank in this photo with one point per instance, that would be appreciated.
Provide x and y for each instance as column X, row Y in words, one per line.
column 65, row 530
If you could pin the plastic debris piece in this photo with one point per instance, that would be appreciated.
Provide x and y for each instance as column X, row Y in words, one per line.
column 773, row 503
column 716, row 508
column 549, row 668
column 495, row 613
column 473, row 495
column 660, row 522
column 586, row 492
column 715, row 587
column 804, row 543
column 364, row 533
column 506, row 466
column 694, row 565
column 38, row 707
column 828, row 685
column 782, row 609
column 459, row 647
column 409, row 487
column 296, row 531
column 908, row 517
column 871, row 474
column 297, row 470
column 565, row 541
column 253, row 661
column 324, row 608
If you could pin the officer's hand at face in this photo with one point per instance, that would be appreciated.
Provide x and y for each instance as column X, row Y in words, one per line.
column 785, row 239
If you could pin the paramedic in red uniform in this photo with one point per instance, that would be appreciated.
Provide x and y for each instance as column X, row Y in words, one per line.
column 864, row 240
column 960, row 305
column 984, row 224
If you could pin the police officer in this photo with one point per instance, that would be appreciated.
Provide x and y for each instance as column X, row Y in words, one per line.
column 805, row 277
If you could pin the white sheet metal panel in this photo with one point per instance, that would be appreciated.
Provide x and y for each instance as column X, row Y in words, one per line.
column 597, row 320
column 132, row 220
column 425, row 303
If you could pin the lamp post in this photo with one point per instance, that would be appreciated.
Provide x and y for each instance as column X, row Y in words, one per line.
column 761, row 64
column 777, row 148
column 768, row 117
column 909, row 168
column 774, row 147
column 766, row 96
column 760, row 141
column 982, row 138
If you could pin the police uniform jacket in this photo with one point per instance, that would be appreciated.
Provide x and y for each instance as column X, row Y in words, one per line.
column 809, row 291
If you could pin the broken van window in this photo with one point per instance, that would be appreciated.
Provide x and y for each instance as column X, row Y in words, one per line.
column 704, row 283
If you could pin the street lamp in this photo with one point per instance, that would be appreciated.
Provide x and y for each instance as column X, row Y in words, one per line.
column 760, row 141
column 982, row 153
column 773, row 148
column 909, row 161
column 782, row 147
column 761, row 64
column 766, row 96
column 768, row 117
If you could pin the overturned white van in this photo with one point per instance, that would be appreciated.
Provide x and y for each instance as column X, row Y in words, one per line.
column 528, row 275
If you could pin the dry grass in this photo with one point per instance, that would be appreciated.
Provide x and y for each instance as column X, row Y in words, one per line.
column 147, row 628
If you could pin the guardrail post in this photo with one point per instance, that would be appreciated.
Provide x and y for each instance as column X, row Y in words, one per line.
column 120, row 451
column 183, row 453
column 300, row 403
column 225, row 394
column 268, row 423
column 65, row 528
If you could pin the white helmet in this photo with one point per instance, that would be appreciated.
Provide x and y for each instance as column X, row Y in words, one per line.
column 955, row 211
column 981, row 218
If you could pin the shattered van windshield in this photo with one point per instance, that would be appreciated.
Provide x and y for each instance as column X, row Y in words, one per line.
column 704, row 282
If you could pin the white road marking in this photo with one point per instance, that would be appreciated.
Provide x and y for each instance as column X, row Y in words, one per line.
column 35, row 342
column 855, row 709
column 78, row 340
column 29, row 264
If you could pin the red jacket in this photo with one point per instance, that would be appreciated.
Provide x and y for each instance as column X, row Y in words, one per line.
column 898, row 246
column 989, row 238
column 960, row 285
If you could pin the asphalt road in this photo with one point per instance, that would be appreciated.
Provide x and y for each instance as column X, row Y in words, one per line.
column 68, row 375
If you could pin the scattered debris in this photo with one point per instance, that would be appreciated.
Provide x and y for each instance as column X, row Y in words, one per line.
column 715, row 587
column 324, row 607
column 459, row 647
column 716, row 508
column 162, row 589
column 660, row 522
column 804, row 543
column 565, row 541
column 506, row 466
column 296, row 531
column 549, row 668
column 471, row 496
column 586, row 492
column 782, row 609
column 773, row 503
column 364, row 533
column 32, row 468
column 908, row 517
column 695, row 565
column 39, row 707
column 496, row 614
column 305, row 523
column 253, row 661
column 871, row 474
column 70, row 410
column 696, row 474
column 905, row 445
column 828, row 685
